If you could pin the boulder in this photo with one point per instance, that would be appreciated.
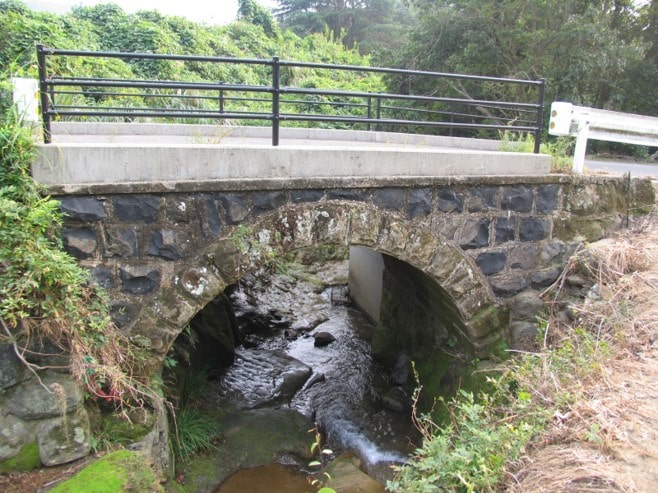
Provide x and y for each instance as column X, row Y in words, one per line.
column 56, row 395
column 323, row 339
column 64, row 439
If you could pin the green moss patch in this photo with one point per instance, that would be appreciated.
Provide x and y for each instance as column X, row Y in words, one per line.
column 25, row 460
column 117, row 472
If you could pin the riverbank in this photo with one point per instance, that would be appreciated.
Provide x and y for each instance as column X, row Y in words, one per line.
column 607, row 440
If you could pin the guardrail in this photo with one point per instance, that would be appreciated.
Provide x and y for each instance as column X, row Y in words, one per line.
column 590, row 123
column 79, row 98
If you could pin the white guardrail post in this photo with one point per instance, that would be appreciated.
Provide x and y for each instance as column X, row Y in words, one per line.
column 590, row 123
column 26, row 98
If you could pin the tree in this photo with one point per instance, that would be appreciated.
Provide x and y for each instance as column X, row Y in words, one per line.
column 252, row 12
column 582, row 47
column 366, row 23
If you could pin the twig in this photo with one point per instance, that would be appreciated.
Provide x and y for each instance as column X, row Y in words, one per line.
column 30, row 366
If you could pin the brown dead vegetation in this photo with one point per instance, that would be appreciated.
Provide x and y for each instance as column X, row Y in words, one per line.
column 606, row 439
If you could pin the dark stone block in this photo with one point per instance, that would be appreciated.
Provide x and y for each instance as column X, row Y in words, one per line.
column 121, row 243
column 11, row 369
column 523, row 256
column 139, row 282
column 348, row 194
column 390, row 198
column 420, row 203
column 505, row 229
column 491, row 262
column 122, row 314
column 236, row 207
column 164, row 244
column 84, row 209
column 449, row 201
column 517, row 199
column 534, row 229
column 508, row 286
column 545, row 277
column 79, row 242
column 547, row 196
column 475, row 234
column 553, row 252
column 302, row 196
column 179, row 209
column 211, row 221
column 137, row 208
column 102, row 276
column 482, row 199
column 268, row 201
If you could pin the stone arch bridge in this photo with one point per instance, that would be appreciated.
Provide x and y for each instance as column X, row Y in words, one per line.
column 471, row 244
column 167, row 216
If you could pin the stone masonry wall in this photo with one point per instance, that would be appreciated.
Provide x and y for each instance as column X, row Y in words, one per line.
column 518, row 231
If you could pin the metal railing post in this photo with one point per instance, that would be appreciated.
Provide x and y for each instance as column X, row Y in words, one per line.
column 369, row 109
column 221, row 100
column 276, row 88
column 379, row 113
column 43, row 93
column 540, row 115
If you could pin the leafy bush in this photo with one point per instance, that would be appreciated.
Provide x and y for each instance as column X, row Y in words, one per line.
column 44, row 293
column 468, row 454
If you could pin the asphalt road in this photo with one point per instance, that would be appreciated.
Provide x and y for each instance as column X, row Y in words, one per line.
column 636, row 169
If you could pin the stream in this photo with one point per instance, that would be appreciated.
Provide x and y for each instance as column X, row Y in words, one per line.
column 338, row 385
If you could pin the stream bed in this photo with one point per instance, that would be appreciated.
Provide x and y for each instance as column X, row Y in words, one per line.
column 306, row 350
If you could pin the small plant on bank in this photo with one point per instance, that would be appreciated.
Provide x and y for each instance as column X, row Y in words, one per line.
column 320, row 478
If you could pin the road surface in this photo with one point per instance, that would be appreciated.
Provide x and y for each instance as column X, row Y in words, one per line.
column 636, row 169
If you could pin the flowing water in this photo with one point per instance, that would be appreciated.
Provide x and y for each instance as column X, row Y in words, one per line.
column 343, row 392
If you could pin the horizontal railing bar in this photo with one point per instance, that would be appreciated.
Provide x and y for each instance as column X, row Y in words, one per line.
column 406, row 97
column 157, row 56
column 415, row 123
column 357, row 68
column 152, row 113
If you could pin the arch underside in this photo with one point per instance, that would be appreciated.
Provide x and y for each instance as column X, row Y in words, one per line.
column 203, row 276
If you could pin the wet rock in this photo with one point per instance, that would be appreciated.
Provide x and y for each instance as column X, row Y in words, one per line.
column 323, row 339
column 347, row 477
column 261, row 377
column 400, row 372
column 315, row 379
column 396, row 399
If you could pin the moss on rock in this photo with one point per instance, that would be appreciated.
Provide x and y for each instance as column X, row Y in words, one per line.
column 26, row 459
column 117, row 472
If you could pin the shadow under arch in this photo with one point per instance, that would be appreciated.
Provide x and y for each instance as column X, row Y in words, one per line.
column 203, row 276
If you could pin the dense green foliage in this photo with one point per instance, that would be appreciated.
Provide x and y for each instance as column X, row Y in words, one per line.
column 593, row 53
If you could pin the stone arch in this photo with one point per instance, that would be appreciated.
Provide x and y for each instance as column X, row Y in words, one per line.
column 208, row 272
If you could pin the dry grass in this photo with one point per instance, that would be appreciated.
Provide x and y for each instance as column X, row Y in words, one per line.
column 604, row 436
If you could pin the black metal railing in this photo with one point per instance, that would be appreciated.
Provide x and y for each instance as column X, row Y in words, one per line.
column 443, row 110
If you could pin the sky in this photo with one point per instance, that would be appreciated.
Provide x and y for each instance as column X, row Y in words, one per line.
column 204, row 11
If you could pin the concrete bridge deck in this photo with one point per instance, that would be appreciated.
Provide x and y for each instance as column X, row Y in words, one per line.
column 105, row 154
